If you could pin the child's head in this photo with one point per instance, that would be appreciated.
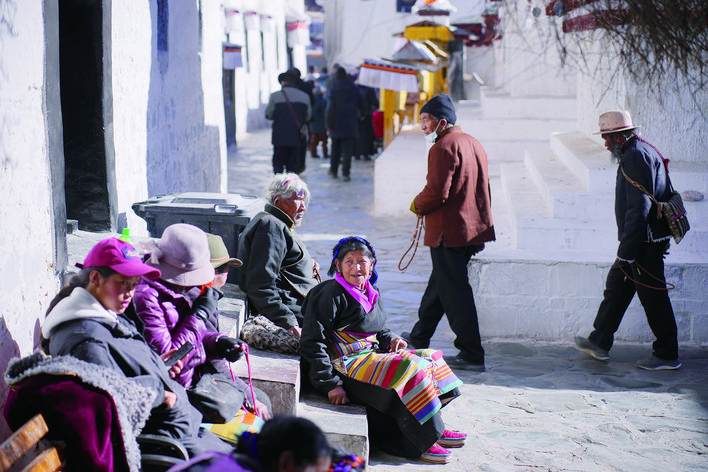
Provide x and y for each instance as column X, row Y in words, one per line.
column 289, row 443
column 220, row 260
column 111, row 271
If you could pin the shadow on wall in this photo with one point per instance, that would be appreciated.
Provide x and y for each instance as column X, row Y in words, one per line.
column 183, row 154
column 8, row 349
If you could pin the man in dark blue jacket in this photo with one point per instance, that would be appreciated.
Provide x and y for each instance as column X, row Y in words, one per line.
column 290, row 110
column 643, row 241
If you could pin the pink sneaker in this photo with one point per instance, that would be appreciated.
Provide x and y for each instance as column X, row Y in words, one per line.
column 452, row 439
column 437, row 455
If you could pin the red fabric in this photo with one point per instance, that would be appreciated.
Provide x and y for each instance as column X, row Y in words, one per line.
column 81, row 416
column 455, row 200
column 378, row 118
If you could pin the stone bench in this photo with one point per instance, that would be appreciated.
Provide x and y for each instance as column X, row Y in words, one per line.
column 276, row 374
column 344, row 425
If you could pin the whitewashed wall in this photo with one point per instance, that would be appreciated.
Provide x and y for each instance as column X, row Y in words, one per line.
column 131, row 36
column 674, row 120
column 265, row 56
column 212, row 18
column 531, row 63
column 27, row 272
column 359, row 29
column 184, row 144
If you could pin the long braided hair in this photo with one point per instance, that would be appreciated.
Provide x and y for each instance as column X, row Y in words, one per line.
column 349, row 244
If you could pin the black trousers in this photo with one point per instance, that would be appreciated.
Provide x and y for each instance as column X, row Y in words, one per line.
column 286, row 159
column 342, row 149
column 449, row 293
column 619, row 292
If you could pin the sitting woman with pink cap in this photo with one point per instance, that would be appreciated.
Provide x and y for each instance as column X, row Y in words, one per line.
column 181, row 305
column 88, row 320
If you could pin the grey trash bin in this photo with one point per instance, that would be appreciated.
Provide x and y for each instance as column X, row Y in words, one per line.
column 225, row 214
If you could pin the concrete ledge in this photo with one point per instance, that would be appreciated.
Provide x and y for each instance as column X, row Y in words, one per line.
column 551, row 299
column 276, row 374
column 344, row 425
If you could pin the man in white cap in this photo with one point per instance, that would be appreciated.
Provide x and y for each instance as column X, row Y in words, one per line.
column 644, row 239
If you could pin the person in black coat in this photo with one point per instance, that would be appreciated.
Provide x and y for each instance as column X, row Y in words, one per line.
column 288, row 119
column 644, row 241
column 344, row 110
column 349, row 354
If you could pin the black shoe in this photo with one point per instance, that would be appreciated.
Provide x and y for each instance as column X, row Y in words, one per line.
column 462, row 363
column 584, row 345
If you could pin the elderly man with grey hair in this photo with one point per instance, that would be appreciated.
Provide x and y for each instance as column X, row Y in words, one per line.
column 277, row 270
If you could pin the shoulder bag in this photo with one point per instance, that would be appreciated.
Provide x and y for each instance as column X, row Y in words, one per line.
column 302, row 128
column 672, row 210
column 217, row 397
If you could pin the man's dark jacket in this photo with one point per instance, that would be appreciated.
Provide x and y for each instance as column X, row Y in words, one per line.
column 344, row 108
column 634, row 211
column 277, row 269
column 286, row 130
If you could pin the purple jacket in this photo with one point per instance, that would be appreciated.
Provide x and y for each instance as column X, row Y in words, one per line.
column 169, row 323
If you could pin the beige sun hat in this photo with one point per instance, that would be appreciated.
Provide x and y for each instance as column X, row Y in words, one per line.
column 615, row 121
column 219, row 254
column 182, row 255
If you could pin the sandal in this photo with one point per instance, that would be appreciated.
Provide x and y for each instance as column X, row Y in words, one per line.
column 437, row 455
column 452, row 439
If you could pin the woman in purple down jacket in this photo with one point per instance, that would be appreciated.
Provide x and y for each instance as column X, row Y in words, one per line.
column 175, row 308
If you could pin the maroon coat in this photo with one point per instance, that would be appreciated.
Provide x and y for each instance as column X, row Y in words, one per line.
column 455, row 200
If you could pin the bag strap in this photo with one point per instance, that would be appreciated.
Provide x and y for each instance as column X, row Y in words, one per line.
column 639, row 186
column 290, row 105
column 250, row 378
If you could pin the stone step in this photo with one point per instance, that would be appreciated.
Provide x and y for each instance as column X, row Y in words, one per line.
column 514, row 129
column 552, row 299
column 503, row 105
column 523, row 201
column 276, row 374
column 344, row 425
column 563, row 192
column 587, row 159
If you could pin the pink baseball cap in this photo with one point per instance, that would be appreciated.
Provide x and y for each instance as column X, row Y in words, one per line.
column 119, row 256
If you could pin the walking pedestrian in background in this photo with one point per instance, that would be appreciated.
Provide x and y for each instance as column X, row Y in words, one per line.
column 644, row 240
column 456, row 204
column 290, row 110
column 308, row 88
column 318, row 127
column 344, row 108
column 365, row 147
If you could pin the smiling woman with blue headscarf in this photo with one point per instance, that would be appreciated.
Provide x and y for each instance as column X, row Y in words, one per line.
column 352, row 356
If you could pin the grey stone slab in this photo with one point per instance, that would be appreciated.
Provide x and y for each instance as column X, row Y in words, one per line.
column 344, row 425
column 278, row 375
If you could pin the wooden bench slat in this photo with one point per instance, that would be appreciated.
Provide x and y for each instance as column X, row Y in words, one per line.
column 21, row 441
column 47, row 461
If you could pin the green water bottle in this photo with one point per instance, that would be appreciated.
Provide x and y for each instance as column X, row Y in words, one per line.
column 125, row 237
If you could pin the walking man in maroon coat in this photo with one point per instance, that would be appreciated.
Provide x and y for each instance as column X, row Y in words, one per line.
column 456, row 205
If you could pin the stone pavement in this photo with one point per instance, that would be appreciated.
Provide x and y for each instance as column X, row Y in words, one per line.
column 539, row 406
